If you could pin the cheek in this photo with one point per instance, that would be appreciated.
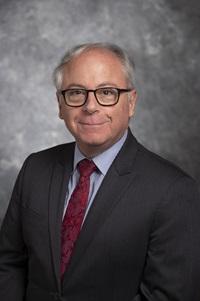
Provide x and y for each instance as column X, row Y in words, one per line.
column 120, row 114
column 68, row 117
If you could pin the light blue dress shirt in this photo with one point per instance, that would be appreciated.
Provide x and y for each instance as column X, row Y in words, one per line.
column 103, row 161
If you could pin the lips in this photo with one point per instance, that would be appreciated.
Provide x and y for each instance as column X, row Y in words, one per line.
column 93, row 122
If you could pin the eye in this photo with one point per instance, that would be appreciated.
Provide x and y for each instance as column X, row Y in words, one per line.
column 75, row 92
column 108, row 91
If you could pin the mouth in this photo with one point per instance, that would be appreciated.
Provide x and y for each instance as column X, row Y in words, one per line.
column 92, row 124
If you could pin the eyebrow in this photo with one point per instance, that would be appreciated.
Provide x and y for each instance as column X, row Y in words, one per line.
column 104, row 84
column 107, row 84
column 73, row 85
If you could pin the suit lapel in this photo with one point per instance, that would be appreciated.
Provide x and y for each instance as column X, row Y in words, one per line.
column 58, row 188
column 111, row 191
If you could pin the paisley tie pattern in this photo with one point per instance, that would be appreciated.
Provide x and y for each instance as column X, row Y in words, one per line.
column 74, row 215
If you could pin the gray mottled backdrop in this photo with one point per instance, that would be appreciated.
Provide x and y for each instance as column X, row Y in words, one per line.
column 165, row 39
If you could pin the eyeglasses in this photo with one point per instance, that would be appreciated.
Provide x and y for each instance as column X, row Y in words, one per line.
column 107, row 96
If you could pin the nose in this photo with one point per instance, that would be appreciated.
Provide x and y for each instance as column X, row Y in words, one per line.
column 91, row 104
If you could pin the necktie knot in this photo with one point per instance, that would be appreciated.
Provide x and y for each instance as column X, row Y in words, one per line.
column 86, row 167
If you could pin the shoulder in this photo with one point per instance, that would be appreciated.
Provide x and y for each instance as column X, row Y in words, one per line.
column 38, row 167
column 151, row 162
column 162, row 177
column 62, row 154
column 55, row 152
column 157, row 182
column 153, row 170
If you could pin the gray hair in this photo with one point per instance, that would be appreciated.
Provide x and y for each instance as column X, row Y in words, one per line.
column 126, row 60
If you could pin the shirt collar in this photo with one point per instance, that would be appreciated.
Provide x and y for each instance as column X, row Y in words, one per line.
column 104, row 160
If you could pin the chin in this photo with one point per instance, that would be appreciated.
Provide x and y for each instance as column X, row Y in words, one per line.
column 93, row 142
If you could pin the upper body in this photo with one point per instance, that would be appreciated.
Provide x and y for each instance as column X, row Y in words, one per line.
column 140, row 238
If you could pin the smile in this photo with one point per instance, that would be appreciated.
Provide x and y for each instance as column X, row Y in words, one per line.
column 92, row 124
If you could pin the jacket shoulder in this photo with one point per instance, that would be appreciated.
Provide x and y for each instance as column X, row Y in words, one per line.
column 158, row 168
column 40, row 161
column 55, row 153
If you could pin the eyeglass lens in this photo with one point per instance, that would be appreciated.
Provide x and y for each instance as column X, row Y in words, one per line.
column 105, row 96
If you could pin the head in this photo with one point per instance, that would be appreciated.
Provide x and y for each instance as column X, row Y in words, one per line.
column 89, row 67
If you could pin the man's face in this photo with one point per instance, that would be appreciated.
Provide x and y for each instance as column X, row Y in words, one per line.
column 96, row 127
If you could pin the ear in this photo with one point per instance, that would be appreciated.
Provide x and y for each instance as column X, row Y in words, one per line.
column 132, row 97
column 59, row 105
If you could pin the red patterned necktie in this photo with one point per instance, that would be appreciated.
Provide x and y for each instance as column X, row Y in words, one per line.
column 74, row 214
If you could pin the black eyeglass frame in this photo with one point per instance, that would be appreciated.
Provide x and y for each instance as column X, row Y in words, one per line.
column 119, row 91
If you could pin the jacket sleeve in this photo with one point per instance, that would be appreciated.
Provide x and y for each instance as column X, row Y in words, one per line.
column 13, row 254
column 172, row 269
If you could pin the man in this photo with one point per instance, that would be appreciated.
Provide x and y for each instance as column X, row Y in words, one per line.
column 126, row 231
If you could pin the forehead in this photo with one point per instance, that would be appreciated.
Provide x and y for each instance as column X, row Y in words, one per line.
column 96, row 64
column 96, row 54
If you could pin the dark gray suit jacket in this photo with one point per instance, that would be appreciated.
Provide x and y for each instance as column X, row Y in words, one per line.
column 140, row 240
